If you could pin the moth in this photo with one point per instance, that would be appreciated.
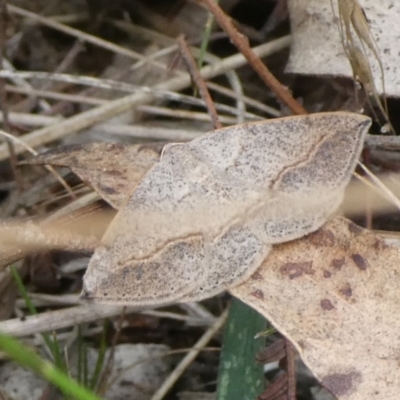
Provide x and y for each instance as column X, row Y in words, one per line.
column 204, row 218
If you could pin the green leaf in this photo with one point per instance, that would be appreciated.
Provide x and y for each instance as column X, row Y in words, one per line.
column 240, row 377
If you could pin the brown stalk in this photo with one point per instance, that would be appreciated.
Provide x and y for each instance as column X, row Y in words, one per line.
column 277, row 390
column 199, row 81
column 290, row 370
column 105, row 375
column 27, row 104
column 274, row 352
column 242, row 43
column 68, row 60
column 284, row 385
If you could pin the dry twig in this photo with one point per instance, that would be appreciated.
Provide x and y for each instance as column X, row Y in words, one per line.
column 188, row 359
column 197, row 78
column 242, row 43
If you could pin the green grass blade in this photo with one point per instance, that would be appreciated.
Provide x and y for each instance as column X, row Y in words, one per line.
column 101, row 357
column 85, row 365
column 206, row 38
column 79, row 374
column 240, row 377
column 26, row 357
column 22, row 290
column 52, row 344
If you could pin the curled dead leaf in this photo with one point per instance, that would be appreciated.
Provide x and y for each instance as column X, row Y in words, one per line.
column 112, row 169
column 334, row 294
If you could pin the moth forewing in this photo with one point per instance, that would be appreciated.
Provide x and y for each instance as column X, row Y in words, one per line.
column 204, row 218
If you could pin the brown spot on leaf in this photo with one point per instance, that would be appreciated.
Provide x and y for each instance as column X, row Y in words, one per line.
column 258, row 294
column 338, row 263
column 360, row 261
column 380, row 245
column 114, row 172
column 341, row 384
column 326, row 305
column 346, row 290
column 107, row 189
column 256, row 276
column 327, row 274
column 294, row 270
column 115, row 146
column 322, row 237
column 353, row 228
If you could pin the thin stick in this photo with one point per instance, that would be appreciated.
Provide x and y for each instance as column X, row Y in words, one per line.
column 24, row 85
column 135, row 131
column 380, row 185
column 247, row 100
column 71, row 316
column 107, row 368
column 198, row 79
column 51, row 23
column 48, row 300
column 232, row 77
column 63, row 66
column 58, row 319
column 68, row 60
column 117, row 85
column 242, row 43
column 386, row 142
column 73, row 98
column 37, row 120
column 76, row 98
column 185, row 114
column 112, row 108
column 74, row 79
column 31, row 119
column 290, row 370
column 188, row 359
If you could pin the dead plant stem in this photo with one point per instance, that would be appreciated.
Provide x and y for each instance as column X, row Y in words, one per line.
column 242, row 43
column 188, row 359
column 198, row 79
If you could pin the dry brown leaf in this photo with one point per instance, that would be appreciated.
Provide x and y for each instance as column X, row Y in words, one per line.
column 112, row 169
column 335, row 295
column 356, row 37
column 352, row 17
column 205, row 217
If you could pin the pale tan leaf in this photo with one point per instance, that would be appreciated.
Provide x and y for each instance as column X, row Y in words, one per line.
column 335, row 295
column 205, row 217
column 317, row 47
column 112, row 169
